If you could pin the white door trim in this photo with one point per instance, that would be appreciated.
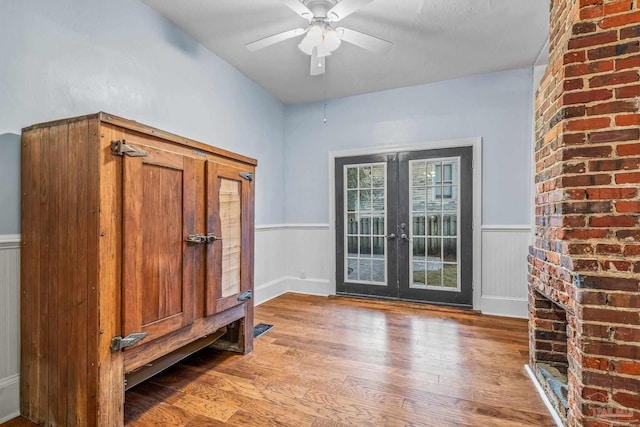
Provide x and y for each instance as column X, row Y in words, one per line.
column 475, row 143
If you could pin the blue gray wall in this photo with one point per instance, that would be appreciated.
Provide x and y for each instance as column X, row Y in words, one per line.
column 71, row 57
column 9, row 183
column 496, row 107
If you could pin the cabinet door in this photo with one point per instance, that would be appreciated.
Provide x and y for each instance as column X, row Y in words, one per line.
column 230, row 219
column 159, row 194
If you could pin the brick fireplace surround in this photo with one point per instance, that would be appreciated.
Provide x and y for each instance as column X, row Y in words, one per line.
column 584, row 267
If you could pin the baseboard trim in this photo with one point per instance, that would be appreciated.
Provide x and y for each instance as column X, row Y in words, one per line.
column 270, row 290
column 543, row 396
column 9, row 398
column 9, row 417
column 496, row 306
column 310, row 286
column 504, row 306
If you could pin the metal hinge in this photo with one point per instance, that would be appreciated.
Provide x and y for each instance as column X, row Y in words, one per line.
column 118, row 343
column 245, row 296
column 120, row 148
column 247, row 175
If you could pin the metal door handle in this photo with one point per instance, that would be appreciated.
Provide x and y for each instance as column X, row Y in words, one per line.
column 212, row 238
column 196, row 239
column 403, row 236
column 391, row 236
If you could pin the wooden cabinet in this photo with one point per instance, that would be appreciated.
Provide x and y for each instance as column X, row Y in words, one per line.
column 128, row 232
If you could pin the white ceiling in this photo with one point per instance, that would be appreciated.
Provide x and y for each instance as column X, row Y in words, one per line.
column 433, row 40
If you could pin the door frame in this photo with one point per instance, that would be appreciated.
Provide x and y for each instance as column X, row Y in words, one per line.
column 475, row 143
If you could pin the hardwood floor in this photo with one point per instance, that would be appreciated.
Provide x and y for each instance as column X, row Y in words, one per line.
column 351, row 362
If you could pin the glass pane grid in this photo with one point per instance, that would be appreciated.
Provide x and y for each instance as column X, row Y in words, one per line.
column 365, row 223
column 434, row 211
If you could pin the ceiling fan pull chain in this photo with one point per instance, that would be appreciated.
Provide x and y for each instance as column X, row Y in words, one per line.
column 324, row 109
column 324, row 118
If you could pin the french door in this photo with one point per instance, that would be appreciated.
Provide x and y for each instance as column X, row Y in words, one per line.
column 404, row 226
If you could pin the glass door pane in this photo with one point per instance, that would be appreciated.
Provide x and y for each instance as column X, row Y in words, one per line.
column 435, row 205
column 365, row 223
column 434, row 255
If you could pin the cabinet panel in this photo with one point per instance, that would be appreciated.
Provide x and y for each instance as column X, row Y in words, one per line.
column 229, row 202
column 159, row 213
column 230, row 205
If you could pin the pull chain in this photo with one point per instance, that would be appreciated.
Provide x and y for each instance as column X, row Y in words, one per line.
column 324, row 108
column 324, row 112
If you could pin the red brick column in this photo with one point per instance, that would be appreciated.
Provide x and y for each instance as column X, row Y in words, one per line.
column 587, row 251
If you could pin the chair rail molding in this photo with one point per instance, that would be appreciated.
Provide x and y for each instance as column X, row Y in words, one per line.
column 9, row 241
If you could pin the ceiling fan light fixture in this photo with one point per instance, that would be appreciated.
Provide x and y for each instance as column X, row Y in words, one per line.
column 321, row 37
column 330, row 39
column 312, row 39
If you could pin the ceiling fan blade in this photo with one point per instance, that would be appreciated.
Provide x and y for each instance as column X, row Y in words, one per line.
column 276, row 38
column 299, row 8
column 365, row 41
column 345, row 8
column 317, row 64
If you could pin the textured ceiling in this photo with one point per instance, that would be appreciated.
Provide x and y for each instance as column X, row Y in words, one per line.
column 433, row 40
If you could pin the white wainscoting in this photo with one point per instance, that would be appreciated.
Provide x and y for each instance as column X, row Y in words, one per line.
column 9, row 327
column 298, row 257
column 291, row 258
column 504, row 270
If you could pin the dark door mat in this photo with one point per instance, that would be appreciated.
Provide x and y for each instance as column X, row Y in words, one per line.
column 260, row 329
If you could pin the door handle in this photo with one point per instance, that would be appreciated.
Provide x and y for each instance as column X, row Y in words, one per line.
column 391, row 236
column 212, row 238
column 195, row 239
column 404, row 236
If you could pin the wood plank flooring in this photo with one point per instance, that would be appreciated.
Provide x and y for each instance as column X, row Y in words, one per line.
column 350, row 362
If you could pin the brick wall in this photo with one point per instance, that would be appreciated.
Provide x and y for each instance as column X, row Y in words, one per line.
column 586, row 257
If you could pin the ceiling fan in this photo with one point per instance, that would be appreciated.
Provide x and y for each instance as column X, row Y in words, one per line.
column 321, row 38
